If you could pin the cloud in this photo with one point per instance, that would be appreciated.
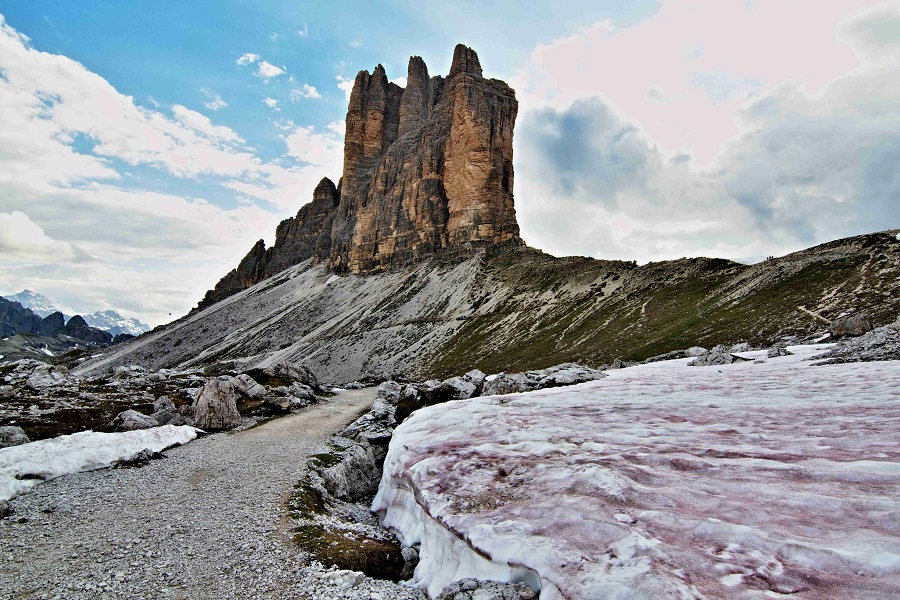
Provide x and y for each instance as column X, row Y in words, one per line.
column 247, row 59
column 356, row 43
column 655, row 94
column 274, row 37
column 874, row 32
column 303, row 33
column 22, row 239
column 306, row 91
column 104, row 202
column 266, row 70
column 589, row 152
column 215, row 101
column 808, row 164
column 317, row 148
column 272, row 103
column 345, row 85
column 707, row 72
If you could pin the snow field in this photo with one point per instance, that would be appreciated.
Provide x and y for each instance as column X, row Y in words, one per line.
column 749, row 480
column 22, row 467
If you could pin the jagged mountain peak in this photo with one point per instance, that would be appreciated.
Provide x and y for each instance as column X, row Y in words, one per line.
column 427, row 171
column 40, row 304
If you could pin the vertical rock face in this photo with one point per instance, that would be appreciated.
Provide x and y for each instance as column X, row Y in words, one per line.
column 444, row 183
column 296, row 239
column 427, row 170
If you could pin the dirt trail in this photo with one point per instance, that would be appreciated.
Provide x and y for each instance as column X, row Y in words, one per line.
column 202, row 523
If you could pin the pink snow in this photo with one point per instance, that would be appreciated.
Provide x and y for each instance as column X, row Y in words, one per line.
column 749, row 480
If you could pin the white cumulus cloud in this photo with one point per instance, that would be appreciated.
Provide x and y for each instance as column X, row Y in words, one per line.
column 247, row 58
column 21, row 238
column 718, row 145
column 267, row 71
column 305, row 91
column 345, row 85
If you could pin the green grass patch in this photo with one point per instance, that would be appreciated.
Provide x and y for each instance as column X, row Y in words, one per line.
column 380, row 559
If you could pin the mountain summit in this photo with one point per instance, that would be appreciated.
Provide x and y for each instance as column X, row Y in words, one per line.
column 427, row 171
column 39, row 304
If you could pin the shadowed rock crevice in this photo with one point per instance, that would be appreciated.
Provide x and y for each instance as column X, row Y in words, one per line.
column 427, row 171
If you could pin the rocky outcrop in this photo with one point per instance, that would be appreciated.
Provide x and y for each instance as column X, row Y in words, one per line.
column 719, row 355
column 475, row 589
column 11, row 435
column 215, row 408
column 882, row 343
column 427, row 170
column 78, row 328
column 854, row 325
column 132, row 420
column 52, row 323
column 15, row 318
column 45, row 375
column 556, row 376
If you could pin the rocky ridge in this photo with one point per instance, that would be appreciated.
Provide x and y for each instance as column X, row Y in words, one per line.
column 514, row 310
column 427, row 170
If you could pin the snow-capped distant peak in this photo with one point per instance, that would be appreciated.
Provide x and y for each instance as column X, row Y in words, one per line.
column 40, row 304
column 114, row 323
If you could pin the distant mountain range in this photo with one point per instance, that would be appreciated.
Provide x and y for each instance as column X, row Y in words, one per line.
column 107, row 320
column 114, row 323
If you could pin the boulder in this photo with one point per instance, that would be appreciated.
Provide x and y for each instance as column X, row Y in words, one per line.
column 853, row 326
column 564, row 374
column 46, row 375
column 778, row 350
column 476, row 589
column 350, row 473
column 166, row 417
column 389, row 391
column 505, row 383
column 555, row 376
column 11, row 435
column 458, row 388
column 163, row 403
column 741, row 347
column 131, row 420
column 284, row 374
column 882, row 343
column 247, row 386
column 215, row 408
column 720, row 355
column 301, row 392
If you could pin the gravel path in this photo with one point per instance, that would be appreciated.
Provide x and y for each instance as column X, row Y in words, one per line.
column 206, row 522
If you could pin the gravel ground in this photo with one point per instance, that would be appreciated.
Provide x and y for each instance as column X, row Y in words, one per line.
column 206, row 522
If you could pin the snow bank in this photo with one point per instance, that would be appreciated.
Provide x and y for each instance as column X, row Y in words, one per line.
column 22, row 467
column 748, row 480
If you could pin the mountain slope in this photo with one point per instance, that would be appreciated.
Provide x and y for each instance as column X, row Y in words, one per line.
column 515, row 309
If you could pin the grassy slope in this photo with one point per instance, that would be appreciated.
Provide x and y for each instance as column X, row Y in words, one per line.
column 662, row 307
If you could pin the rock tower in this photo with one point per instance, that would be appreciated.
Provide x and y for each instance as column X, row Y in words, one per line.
column 427, row 170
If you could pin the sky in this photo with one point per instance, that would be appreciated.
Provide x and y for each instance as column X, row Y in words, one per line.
column 145, row 146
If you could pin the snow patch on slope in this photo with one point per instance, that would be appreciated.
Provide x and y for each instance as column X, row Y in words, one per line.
column 747, row 480
column 23, row 467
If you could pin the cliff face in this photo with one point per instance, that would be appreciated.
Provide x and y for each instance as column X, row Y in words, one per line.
column 427, row 170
